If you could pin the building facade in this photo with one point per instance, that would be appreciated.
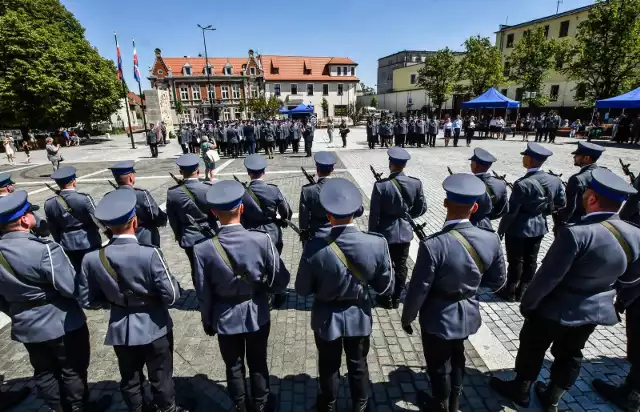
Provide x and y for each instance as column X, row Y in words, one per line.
column 388, row 64
column 560, row 90
column 217, row 89
column 310, row 80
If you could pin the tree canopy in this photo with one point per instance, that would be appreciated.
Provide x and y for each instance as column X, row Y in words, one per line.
column 438, row 76
column 481, row 66
column 263, row 108
column 530, row 62
column 49, row 74
column 604, row 59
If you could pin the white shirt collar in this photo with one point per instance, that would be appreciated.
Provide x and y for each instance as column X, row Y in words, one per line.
column 192, row 178
column 346, row 225
column 453, row 222
column 232, row 224
column 481, row 174
column 533, row 169
column 598, row 213
column 126, row 236
column 68, row 190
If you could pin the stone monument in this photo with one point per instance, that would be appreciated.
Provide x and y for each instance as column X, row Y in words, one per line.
column 159, row 108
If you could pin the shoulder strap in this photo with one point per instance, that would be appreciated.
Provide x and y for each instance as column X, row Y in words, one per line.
column 491, row 193
column 345, row 261
column 545, row 192
column 8, row 268
column 621, row 240
column 225, row 258
column 398, row 187
column 187, row 192
column 64, row 204
column 470, row 249
column 254, row 197
column 6, row 265
column 107, row 266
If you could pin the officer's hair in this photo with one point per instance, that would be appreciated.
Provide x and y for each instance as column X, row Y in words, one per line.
column 121, row 179
column 10, row 226
column 459, row 208
column 122, row 227
column 608, row 204
column 535, row 162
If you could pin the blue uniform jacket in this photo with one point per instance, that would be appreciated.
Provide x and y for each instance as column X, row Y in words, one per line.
column 493, row 204
column 342, row 307
column 631, row 209
column 73, row 229
column 179, row 205
column 261, row 216
column 445, row 279
column 576, row 186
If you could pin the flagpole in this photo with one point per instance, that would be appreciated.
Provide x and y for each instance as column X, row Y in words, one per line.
column 142, row 99
column 124, row 92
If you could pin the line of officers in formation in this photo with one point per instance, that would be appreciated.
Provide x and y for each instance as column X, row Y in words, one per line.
column 232, row 236
column 246, row 136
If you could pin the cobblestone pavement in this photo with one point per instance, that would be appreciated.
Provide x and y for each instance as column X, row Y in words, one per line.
column 396, row 362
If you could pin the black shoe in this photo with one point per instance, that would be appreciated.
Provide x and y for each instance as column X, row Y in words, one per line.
column 10, row 399
column 508, row 292
column 98, row 405
column 278, row 300
column 515, row 390
column 454, row 399
column 522, row 287
column 384, row 302
column 428, row 403
column 361, row 405
column 549, row 396
column 395, row 302
column 241, row 406
column 323, row 405
column 622, row 396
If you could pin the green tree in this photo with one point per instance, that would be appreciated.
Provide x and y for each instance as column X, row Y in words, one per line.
column 481, row 66
column 374, row 102
column 366, row 90
column 49, row 74
column 438, row 76
column 353, row 112
column 530, row 63
column 265, row 108
column 242, row 107
column 604, row 58
column 179, row 107
column 325, row 107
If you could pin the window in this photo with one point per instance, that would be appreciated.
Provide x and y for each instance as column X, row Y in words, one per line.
column 546, row 31
column 252, row 71
column 226, row 115
column 244, row 67
column 353, row 71
column 519, row 93
column 340, row 89
column 344, row 70
column 212, row 93
column 339, row 71
column 325, row 89
column 294, row 89
column 581, row 91
column 415, row 59
column 208, row 70
column 225, row 92
column 413, row 78
column 253, row 92
column 309, row 89
column 195, row 92
column 424, row 59
column 228, row 70
column 507, row 69
column 564, row 29
column 184, row 93
column 187, row 71
column 504, row 92
column 555, row 91
column 276, row 89
column 559, row 62
column 510, row 40
column 235, row 92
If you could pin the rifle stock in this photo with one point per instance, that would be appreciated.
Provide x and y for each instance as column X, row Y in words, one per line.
column 449, row 170
column 559, row 176
column 627, row 171
column 503, row 178
column 308, row 176
column 113, row 185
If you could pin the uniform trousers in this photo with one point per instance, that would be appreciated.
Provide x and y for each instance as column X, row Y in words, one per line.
column 445, row 364
column 469, row 135
column 566, row 342
column 355, row 349
column 400, row 139
column 308, row 144
column 522, row 256
column 539, row 135
column 60, row 369
column 189, row 253
column 456, row 136
column 251, row 147
column 296, row 144
column 253, row 345
column 234, row 148
column 432, row 139
column 421, row 139
column 154, row 149
column 371, row 140
column 75, row 257
column 399, row 253
column 282, row 145
column 552, row 135
column 158, row 357
column 268, row 148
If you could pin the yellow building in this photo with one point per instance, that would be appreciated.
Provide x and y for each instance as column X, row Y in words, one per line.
column 564, row 25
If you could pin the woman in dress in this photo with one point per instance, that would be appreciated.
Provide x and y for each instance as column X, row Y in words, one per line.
column 448, row 131
column 209, row 162
column 8, row 149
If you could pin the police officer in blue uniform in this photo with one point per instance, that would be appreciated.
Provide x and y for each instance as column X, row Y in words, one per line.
column 534, row 197
column 494, row 203
column 312, row 215
column 133, row 280
column 41, row 228
column 585, row 156
column 69, row 214
column 337, row 269
column 6, row 184
column 573, row 292
column 391, row 199
column 38, row 284
column 148, row 214
column 450, row 267
column 235, row 272
column 189, row 198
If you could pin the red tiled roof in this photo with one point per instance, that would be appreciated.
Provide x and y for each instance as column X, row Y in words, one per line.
column 292, row 68
column 175, row 64
column 134, row 98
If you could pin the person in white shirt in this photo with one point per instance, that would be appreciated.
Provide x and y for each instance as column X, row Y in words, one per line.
column 448, row 131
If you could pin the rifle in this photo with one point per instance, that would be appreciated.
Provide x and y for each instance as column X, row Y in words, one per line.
column 98, row 223
column 308, row 176
column 558, row 176
column 503, row 178
column 418, row 229
column 178, row 181
column 449, row 170
column 627, row 172
column 239, row 181
column 204, row 230
column 113, row 185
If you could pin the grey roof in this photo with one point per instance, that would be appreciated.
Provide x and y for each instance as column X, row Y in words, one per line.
column 504, row 27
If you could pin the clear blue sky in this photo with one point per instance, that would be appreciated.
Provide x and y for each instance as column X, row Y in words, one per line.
column 363, row 30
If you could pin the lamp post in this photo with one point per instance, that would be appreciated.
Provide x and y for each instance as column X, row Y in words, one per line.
column 206, row 59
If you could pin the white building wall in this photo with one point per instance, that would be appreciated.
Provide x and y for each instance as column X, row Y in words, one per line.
column 348, row 95
column 119, row 118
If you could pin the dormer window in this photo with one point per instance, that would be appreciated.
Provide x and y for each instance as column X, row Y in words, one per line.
column 208, row 70
column 244, row 67
column 353, row 71
column 186, row 70
column 252, row 71
column 275, row 70
column 228, row 70
column 339, row 71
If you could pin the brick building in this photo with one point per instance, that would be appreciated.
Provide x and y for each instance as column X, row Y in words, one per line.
column 233, row 80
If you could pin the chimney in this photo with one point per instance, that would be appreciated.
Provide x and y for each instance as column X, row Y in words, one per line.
column 158, row 52
column 250, row 52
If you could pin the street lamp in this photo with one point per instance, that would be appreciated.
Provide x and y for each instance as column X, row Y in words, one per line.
column 206, row 59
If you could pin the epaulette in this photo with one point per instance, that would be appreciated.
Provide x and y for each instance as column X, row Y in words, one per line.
column 632, row 223
column 271, row 184
column 174, row 187
column 259, row 230
column 415, row 178
column 309, row 184
column 83, row 194
column 486, row 228
column 139, row 190
column 40, row 240
column 374, row 234
column 147, row 245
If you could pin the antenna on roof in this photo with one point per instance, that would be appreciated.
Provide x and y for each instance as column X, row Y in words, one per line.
column 558, row 6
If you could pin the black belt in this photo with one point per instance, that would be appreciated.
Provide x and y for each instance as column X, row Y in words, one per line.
column 341, row 303
column 234, row 300
column 451, row 297
column 570, row 289
column 30, row 304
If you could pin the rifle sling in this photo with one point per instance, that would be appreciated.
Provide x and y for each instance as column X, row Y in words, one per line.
column 191, row 197
column 345, row 261
column 621, row 240
column 546, row 193
column 398, row 187
column 225, row 257
column 8, row 268
column 127, row 292
column 470, row 249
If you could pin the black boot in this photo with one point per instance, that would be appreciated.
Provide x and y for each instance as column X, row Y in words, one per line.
column 549, row 395
column 622, row 396
column 384, row 301
column 361, row 405
column 427, row 403
column 323, row 405
column 516, row 390
column 9, row 399
column 520, row 291
column 241, row 406
column 508, row 292
column 98, row 405
column 395, row 302
column 454, row 399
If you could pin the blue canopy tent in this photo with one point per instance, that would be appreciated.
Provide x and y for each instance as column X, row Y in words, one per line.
column 302, row 109
column 629, row 100
column 491, row 99
column 284, row 110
